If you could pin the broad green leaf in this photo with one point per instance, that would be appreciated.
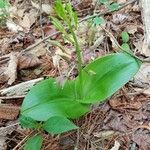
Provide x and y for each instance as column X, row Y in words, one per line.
column 99, row 21
column 109, row 74
column 126, row 47
column 47, row 99
column 28, row 122
column 57, row 125
column 113, row 6
column 125, row 37
column 34, row 143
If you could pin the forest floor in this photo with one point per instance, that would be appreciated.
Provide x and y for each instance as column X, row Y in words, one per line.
column 26, row 57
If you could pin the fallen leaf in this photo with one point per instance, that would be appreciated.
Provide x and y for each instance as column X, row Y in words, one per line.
column 28, row 19
column 11, row 71
column 13, row 27
column 48, row 9
column 20, row 89
column 3, row 144
column 131, row 29
column 143, row 76
column 8, row 112
column 119, row 105
column 142, row 139
column 120, row 18
column 104, row 134
column 3, row 77
column 39, row 50
column 26, row 61
column 116, row 146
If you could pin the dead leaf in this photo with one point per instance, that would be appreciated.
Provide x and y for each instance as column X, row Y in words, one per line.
column 104, row 134
column 143, row 76
column 120, row 18
column 121, row 1
column 27, row 61
column 20, row 89
column 3, row 76
column 3, row 144
column 11, row 71
column 48, row 9
column 8, row 112
column 131, row 29
column 39, row 50
column 142, row 138
column 119, row 105
column 13, row 27
column 28, row 19
column 116, row 146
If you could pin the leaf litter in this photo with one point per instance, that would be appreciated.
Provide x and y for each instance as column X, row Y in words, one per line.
column 122, row 122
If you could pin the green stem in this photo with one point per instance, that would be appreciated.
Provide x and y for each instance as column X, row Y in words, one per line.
column 79, row 57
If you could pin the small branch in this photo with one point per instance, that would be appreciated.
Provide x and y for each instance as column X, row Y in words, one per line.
column 19, row 89
column 39, row 42
column 107, row 12
column 11, row 97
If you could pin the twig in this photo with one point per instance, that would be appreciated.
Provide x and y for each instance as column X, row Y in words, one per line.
column 39, row 42
column 11, row 97
column 21, row 142
column 107, row 12
column 9, row 126
column 41, row 19
column 78, row 139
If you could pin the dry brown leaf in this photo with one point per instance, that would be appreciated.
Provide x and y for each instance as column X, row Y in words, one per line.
column 48, row 9
column 119, row 105
column 13, row 27
column 39, row 50
column 11, row 71
column 3, row 76
column 116, row 146
column 3, row 144
column 20, row 89
column 131, row 29
column 120, row 18
column 28, row 19
column 27, row 61
column 104, row 134
column 8, row 112
column 143, row 76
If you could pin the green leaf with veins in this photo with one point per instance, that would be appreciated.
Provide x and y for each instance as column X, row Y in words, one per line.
column 34, row 143
column 111, row 72
column 58, row 125
column 49, row 99
column 28, row 122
